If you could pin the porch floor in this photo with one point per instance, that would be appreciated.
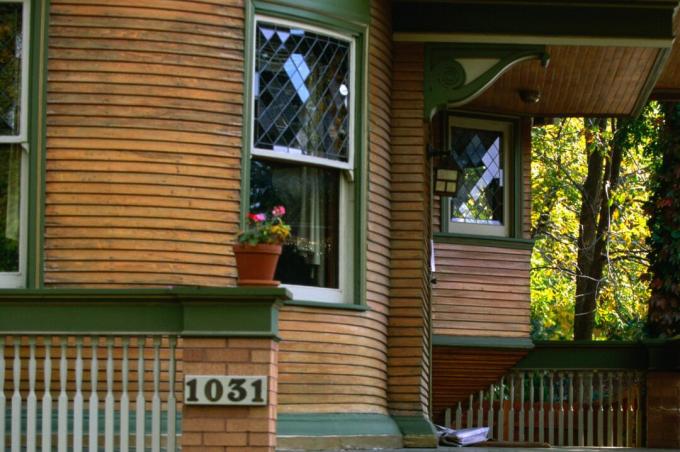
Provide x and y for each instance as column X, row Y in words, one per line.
column 509, row 449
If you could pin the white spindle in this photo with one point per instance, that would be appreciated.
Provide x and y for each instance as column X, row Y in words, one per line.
column 541, row 409
column 3, row 400
column 93, row 403
column 490, row 414
column 629, row 407
column 501, row 410
column 589, row 429
column 109, row 399
column 447, row 418
column 31, row 400
column 522, row 415
column 125, row 399
column 638, row 415
column 47, row 397
column 156, row 399
column 78, row 399
column 480, row 410
column 600, row 411
column 62, row 404
column 570, row 414
column 610, row 414
column 551, row 411
column 140, row 402
column 531, row 407
column 470, row 413
column 511, row 412
column 581, row 418
column 560, row 415
column 459, row 416
column 16, row 397
column 619, row 413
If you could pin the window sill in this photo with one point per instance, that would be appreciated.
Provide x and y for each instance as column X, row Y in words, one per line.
column 482, row 240
column 325, row 305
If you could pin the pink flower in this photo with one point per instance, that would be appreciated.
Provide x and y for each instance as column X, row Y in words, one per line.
column 257, row 217
column 278, row 211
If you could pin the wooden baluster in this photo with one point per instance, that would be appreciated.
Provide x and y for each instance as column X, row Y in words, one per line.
column 629, row 410
column 610, row 414
column 522, row 415
column 480, row 410
column 31, row 400
column 551, row 411
column 560, row 415
column 501, row 410
column 531, row 406
column 541, row 409
column 590, row 428
column 62, row 404
column 459, row 416
column 93, row 402
column 109, row 400
column 3, row 399
column 638, row 411
column 47, row 397
column 490, row 415
column 172, row 402
column 16, row 397
column 470, row 413
column 600, row 411
column 570, row 413
column 156, row 398
column 140, row 402
column 78, row 399
column 581, row 417
column 511, row 412
column 125, row 398
column 447, row 418
column 619, row 413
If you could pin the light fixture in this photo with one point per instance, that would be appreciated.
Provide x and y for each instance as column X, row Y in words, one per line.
column 530, row 96
column 446, row 173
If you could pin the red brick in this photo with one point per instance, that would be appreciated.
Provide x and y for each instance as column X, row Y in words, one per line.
column 248, row 369
column 203, row 425
column 225, row 439
column 228, row 356
column 191, row 439
column 250, row 343
column 261, row 439
column 204, row 342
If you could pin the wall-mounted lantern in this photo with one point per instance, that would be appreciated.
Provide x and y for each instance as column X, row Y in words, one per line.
column 446, row 173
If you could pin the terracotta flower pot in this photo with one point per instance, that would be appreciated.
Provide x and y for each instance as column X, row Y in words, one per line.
column 256, row 264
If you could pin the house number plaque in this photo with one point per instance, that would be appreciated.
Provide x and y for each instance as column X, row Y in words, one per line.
column 225, row 390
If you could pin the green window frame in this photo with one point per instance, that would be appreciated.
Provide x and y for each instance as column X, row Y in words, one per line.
column 321, row 17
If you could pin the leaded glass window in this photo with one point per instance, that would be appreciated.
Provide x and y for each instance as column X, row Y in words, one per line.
column 302, row 92
column 11, row 44
column 479, row 149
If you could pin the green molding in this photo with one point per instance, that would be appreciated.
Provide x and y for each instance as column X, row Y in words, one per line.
column 664, row 355
column 586, row 355
column 36, row 136
column 646, row 92
column 241, row 311
column 439, row 340
column 417, row 431
column 482, row 240
column 325, row 305
column 580, row 21
column 328, row 12
column 446, row 80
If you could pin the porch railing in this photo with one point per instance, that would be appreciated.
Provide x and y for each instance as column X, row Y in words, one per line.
column 565, row 395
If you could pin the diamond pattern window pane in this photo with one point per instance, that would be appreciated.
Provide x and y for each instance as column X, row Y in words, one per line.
column 479, row 154
column 10, row 67
column 301, row 90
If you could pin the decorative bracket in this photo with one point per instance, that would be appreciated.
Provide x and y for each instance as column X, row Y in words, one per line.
column 456, row 74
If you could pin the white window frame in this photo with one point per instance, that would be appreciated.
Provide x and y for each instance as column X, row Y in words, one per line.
column 506, row 129
column 346, row 234
column 18, row 279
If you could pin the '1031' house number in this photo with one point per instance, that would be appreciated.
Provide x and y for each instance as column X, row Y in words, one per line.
column 225, row 390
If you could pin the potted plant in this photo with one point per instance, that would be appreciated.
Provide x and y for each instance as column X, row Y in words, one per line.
column 259, row 247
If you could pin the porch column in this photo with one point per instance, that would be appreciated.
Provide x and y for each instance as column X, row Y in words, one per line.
column 231, row 428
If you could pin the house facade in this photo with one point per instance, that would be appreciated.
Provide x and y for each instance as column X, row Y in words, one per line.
column 135, row 138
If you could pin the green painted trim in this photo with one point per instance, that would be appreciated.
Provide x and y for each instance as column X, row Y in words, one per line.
column 321, row 14
column 482, row 240
column 439, row 340
column 654, row 74
column 241, row 311
column 586, row 355
column 517, row 182
column 36, row 137
column 418, row 431
column 576, row 19
column 335, row 424
column 446, row 81
column 325, row 305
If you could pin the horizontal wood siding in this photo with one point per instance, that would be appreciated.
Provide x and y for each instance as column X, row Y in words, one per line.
column 481, row 291
column 143, row 142
column 409, row 349
column 334, row 361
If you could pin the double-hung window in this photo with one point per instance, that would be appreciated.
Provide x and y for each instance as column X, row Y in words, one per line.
column 14, row 20
column 302, row 151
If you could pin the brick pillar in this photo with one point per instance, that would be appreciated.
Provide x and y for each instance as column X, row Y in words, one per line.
column 230, row 428
column 663, row 409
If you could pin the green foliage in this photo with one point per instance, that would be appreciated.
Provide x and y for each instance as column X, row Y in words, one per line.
column 559, row 169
